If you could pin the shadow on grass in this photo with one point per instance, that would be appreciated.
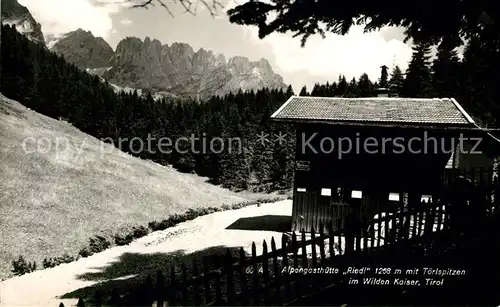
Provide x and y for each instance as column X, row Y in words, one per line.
column 131, row 270
column 278, row 223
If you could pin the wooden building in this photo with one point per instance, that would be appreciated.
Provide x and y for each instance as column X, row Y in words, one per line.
column 482, row 151
column 369, row 155
column 382, row 92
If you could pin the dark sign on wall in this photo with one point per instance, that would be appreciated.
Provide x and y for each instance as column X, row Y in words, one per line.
column 302, row 165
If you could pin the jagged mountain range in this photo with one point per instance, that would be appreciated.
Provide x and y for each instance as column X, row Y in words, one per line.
column 148, row 65
column 177, row 69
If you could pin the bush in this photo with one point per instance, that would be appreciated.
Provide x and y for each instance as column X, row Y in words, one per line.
column 189, row 215
column 84, row 252
column 154, row 226
column 137, row 232
column 123, row 240
column 52, row 262
column 97, row 244
column 210, row 210
column 65, row 259
column 177, row 218
column 21, row 266
column 240, row 205
column 162, row 225
column 48, row 263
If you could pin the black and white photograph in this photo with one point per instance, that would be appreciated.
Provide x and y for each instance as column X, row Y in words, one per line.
column 249, row 153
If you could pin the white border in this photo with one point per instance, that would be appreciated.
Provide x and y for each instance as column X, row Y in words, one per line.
column 283, row 106
column 464, row 113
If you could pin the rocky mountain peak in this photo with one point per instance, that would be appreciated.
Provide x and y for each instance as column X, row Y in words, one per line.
column 220, row 59
column 240, row 64
column 129, row 42
column 181, row 48
column 17, row 15
column 83, row 49
column 82, row 32
column 149, row 65
column 264, row 64
column 149, row 41
column 202, row 53
column 180, row 70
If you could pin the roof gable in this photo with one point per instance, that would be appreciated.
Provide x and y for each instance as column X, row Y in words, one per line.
column 395, row 110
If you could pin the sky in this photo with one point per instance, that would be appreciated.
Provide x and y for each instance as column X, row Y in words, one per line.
column 319, row 61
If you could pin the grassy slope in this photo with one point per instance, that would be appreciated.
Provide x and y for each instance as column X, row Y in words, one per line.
column 52, row 201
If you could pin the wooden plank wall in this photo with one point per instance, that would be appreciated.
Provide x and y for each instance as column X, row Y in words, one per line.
column 311, row 210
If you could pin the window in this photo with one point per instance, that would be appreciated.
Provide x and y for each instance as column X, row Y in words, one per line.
column 426, row 198
column 326, row 192
column 356, row 194
column 301, row 190
column 394, row 196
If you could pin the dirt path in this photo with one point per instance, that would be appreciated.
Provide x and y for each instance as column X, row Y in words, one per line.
column 41, row 288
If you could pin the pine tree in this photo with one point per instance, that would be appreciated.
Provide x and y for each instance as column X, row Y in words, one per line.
column 342, row 86
column 446, row 71
column 418, row 75
column 352, row 88
column 331, row 89
column 396, row 81
column 233, row 166
column 316, row 90
column 383, row 77
column 472, row 65
column 278, row 170
column 365, row 86
column 303, row 91
column 478, row 74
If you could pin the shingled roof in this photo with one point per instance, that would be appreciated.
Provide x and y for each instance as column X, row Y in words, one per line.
column 376, row 110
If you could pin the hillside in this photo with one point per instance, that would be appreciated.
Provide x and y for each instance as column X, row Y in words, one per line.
column 46, row 83
column 52, row 201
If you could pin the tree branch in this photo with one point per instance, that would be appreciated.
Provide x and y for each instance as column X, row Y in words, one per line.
column 190, row 6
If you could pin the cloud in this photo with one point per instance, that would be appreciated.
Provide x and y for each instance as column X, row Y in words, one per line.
column 391, row 33
column 324, row 59
column 62, row 16
column 126, row 22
